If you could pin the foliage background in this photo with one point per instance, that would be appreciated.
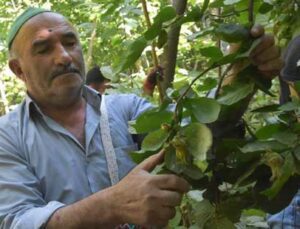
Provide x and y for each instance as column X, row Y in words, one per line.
column 107, row 28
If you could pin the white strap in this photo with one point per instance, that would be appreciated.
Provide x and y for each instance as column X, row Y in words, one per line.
column 110, row 154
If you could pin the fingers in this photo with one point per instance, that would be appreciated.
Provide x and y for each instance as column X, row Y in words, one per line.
column 170, row 198
column 267, row 41
column 152, row 161
column 172, row 182
column 257, row 31
column 266, row 56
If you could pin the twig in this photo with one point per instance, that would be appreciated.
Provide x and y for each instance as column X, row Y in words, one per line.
column 249, row 129
column 222, row 79
column 153, row 52
column 189, row 87
column 228, row 15
column 251, row 12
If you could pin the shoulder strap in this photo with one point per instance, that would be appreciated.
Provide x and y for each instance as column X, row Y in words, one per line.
column 110, row 154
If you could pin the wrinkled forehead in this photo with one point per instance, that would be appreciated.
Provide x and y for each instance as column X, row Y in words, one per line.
column 43, row 24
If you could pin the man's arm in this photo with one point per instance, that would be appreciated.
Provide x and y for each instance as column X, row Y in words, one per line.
column 140, row 198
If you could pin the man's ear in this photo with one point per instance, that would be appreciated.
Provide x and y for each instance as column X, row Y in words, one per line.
column 16, row 68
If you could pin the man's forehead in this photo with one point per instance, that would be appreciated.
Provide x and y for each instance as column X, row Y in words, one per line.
column 48, row 20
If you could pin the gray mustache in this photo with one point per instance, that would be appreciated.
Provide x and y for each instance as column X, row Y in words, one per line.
column 65, row 70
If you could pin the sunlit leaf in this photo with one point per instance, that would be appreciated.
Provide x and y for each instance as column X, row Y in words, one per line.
column 286, row 171
column 198, row 140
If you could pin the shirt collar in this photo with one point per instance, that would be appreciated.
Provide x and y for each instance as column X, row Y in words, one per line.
column 92, row 97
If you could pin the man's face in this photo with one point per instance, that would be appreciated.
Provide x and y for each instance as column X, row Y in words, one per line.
column 49, row 60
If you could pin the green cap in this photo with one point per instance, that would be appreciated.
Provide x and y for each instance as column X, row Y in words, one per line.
column 20, row 21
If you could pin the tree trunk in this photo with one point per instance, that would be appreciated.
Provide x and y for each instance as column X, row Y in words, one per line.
column 170, row 52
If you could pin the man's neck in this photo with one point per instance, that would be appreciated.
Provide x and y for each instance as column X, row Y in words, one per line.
column 71, row 117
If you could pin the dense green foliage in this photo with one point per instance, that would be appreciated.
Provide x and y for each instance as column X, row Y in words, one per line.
column 235, row 181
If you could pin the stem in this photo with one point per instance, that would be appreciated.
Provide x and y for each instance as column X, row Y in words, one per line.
column 222, row 79
column 251, row 12
column 153, row 52
column 249, row 129
column 228, row 15
column 189, row 87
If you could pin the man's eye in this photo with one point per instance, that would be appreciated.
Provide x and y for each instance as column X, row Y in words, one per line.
column 42, row 51
column 70, row 43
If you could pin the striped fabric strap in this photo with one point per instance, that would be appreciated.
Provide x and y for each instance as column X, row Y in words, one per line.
column 110, row 154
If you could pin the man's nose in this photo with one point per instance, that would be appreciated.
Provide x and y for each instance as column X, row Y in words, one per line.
column 62, row 56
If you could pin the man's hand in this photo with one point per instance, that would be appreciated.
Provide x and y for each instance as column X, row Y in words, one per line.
column 266, row 56
column 145, row 199
column 151, row 80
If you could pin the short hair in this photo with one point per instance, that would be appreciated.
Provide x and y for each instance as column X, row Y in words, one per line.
column 95, row 75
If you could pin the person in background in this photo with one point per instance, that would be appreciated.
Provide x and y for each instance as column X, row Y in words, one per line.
column 289, row 217
column 64, row 159
column 96, row 80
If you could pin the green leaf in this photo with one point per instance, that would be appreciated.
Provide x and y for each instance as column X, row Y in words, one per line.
column 228, row 59
column 231, row 2
column 153, row 31
column 268, row 108
column 216, row 4
column 265, row 8
column 268, row 131
column 290, row 106
column 155, row 140
column 212, row 52
column 235, row 92
column 201, row 211
column 286, row 171
column 139, row 156
column 194, row 15
column 162, row 38
column 232, row 33
column 232, row 207
column 149, row 121
column 202, row 165
column 193, row 172
column 205, row 110
column 219, row 222
column 198, row 139
column 263, row 146
column 135, row 50
column 207, row 84
column 286, row 137
column 171, row 161
column 165, row 14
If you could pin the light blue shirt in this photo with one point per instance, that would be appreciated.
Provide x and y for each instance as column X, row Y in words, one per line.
column 43, row 167
column 289, row 217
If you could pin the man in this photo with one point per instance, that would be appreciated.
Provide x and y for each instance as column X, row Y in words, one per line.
column 289, row 217
column 96, row 80
column 53, row 171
